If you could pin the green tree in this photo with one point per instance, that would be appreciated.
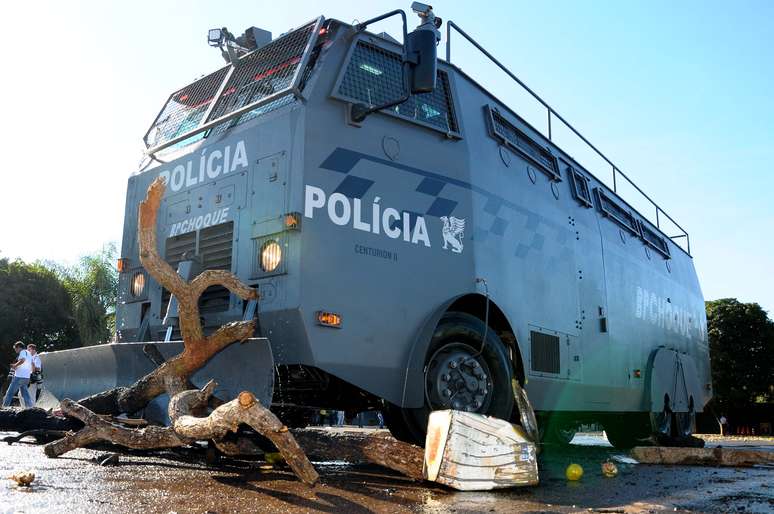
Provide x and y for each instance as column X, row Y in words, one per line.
column 35, row 308
column 93, row 288
column 741, row 338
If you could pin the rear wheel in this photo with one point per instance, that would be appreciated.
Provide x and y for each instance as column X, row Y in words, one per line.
column 459, row 375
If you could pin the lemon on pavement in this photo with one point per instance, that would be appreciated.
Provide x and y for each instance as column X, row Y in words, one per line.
column 574, row 472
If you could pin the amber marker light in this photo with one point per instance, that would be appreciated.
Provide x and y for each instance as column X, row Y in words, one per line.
column 329, row 319
column 293, row 221
column 122, row 264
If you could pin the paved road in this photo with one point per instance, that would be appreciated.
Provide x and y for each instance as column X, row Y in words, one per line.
column 182, row 483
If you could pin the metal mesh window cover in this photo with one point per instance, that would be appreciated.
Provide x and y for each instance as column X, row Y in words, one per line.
column 213, row 246
column 507, row 133
column 618, row 213
column 580, row 186
column 266, row 71
column 374, row 76
column 185, row 108
column 259, row 244
column 271, row 70
column 654, row 240
column 544, row 352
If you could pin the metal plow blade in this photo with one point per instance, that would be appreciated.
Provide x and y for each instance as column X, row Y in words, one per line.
column 81, row 372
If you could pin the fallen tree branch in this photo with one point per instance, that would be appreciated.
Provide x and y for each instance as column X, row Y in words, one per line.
column 173, row 375
column 360, row 448
column 245, row 409
column 186, row 429
column 99, row 429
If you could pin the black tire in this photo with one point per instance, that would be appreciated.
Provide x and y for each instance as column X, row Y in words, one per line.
column 627, row 430
column 396, row 423
column 457, row 340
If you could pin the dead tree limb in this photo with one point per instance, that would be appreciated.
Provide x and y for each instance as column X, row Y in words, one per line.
column 173, row 375
column 99, row 429
column 245, row 409
column 360, row 448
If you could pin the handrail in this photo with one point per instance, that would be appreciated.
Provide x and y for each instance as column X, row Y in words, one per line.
column 552, row 112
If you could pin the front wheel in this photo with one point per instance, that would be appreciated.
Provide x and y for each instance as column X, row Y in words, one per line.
column 459, row 375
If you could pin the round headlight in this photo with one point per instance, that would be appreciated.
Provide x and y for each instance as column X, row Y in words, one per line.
column 138, row 284
column 271, row 255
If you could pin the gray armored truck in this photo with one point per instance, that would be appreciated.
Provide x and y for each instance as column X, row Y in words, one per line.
column 416, row 244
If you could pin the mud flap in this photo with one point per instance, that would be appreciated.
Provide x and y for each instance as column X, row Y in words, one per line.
column 674, row 375
column 81, row 372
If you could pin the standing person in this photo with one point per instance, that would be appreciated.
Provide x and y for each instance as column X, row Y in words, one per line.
column 36, row 378
column 22, row 369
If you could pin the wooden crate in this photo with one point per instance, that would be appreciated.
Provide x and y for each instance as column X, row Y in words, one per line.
column 474, row 452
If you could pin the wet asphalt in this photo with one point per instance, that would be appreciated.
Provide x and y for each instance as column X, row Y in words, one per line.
column 183, row 483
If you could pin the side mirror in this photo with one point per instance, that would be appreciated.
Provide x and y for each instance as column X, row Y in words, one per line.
column 422, row 53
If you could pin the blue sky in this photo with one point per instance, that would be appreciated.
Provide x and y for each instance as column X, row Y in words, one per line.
column 679, row 94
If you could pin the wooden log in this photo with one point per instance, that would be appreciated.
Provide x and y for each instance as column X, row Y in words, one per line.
column 362, row 447
column 471, row 452
column 735, row 457
column 245, row 409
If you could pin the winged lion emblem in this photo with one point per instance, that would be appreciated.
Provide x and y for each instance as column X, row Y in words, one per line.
column 453, row 232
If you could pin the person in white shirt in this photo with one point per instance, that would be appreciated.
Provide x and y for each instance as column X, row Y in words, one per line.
column 36, row 377
column 22, row 369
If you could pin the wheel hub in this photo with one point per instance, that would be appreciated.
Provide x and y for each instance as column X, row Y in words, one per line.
column 458, row 379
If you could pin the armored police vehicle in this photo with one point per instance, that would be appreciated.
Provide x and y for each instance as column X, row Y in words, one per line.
column 417, row 245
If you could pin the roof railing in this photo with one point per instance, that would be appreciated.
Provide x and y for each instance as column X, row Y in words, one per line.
column 550, row 114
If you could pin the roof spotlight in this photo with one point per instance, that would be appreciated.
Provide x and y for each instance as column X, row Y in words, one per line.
column 216, row 37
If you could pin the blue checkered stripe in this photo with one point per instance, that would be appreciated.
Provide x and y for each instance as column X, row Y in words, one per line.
column 435, row 196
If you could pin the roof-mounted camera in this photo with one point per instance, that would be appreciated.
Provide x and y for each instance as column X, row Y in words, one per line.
column 429, row 20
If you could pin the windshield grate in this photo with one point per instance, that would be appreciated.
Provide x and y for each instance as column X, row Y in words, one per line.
column 185, row 108
column 264, row 72
column 270, row 71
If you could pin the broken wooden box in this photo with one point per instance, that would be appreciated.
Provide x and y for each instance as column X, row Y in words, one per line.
column 471, row 452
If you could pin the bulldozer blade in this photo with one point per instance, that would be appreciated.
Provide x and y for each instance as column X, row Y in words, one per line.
column 81, row 372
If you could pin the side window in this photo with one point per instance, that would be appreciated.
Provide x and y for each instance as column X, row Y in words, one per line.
column 374, row 76
column 580, row 186
column 621, row 214
column 509, row 135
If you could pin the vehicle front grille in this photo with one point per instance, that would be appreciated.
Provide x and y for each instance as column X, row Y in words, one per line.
column 213, row 247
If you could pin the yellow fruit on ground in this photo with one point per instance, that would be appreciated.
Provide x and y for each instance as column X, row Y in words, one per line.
column 574, row 472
